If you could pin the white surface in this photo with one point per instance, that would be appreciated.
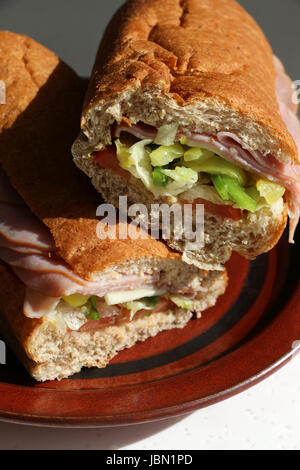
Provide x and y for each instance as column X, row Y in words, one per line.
column 266, row 416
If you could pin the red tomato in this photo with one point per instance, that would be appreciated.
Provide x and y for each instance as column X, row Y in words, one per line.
column 123, row 316
column 162, row 306
column 107, row 159
column 227, row 212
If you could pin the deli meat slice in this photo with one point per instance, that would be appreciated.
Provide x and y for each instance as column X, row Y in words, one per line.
column 140, row 130
column 55, row 284
column 28, row 247
column 37, row 305
column 18, row 226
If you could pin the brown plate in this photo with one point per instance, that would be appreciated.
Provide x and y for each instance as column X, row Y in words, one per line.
column 251, row 332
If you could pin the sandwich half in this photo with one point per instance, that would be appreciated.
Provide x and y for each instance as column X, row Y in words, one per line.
column 68, row 298
column 187, row 104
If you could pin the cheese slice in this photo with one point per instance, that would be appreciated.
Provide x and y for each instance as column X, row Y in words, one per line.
column 121, row 297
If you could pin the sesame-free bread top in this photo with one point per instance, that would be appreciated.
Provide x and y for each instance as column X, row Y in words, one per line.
column 204, row 63
column 38, row 124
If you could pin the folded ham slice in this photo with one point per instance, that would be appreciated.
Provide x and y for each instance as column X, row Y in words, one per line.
column 232, row 148
column 18, row 226
column 28, row 247
column 38, row 305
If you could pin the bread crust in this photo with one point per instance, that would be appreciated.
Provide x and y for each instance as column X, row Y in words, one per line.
column 38, row 124
column 12, row 318
column 189, row 53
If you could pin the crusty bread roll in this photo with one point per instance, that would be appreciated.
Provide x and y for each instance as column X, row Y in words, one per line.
column 37, row 126
column 207, row 66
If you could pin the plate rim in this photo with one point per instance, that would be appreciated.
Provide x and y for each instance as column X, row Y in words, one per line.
column 183, row 407
column 157, row 414
column 242, row 373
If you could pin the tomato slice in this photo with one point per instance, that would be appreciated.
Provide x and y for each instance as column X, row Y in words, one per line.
column 107, row 159
column 104, row 321
column 226, row 212
column 162, row 306
column 124, row 316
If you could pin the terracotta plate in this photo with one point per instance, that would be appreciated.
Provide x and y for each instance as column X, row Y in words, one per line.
column 252, row 332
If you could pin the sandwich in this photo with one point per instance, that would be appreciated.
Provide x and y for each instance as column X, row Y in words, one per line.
column 187, row 104
column 69, row 298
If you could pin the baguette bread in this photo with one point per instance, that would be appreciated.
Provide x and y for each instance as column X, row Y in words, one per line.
column 206, row 66
column 54, row 247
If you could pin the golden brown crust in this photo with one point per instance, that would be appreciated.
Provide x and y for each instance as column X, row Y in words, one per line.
column 191, row 50
column 12, row 318
column 38, row 125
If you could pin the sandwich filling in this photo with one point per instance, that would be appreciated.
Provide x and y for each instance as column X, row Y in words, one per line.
column 220, row 171
column 55, row 291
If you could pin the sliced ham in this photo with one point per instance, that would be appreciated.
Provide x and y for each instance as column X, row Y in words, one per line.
column 17, row 247
column 54, row 284
column 284, row 86
column 20, row 227
column 27, row 246
column 37, row 305
column 140, row 130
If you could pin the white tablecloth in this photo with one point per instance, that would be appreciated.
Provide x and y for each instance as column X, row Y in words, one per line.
column 266, row 416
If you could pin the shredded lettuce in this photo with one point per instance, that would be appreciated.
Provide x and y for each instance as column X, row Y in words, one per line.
column 182, row 302
column 218, row 166
column 183, row 179
column 166, row 134
column 136, row 160
column 123, row 155
column 198, row 154
column 136, row 305
column 272, row 192
column 164, row 155
column 169, row 168
column 152, row 301
column 203, row 191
